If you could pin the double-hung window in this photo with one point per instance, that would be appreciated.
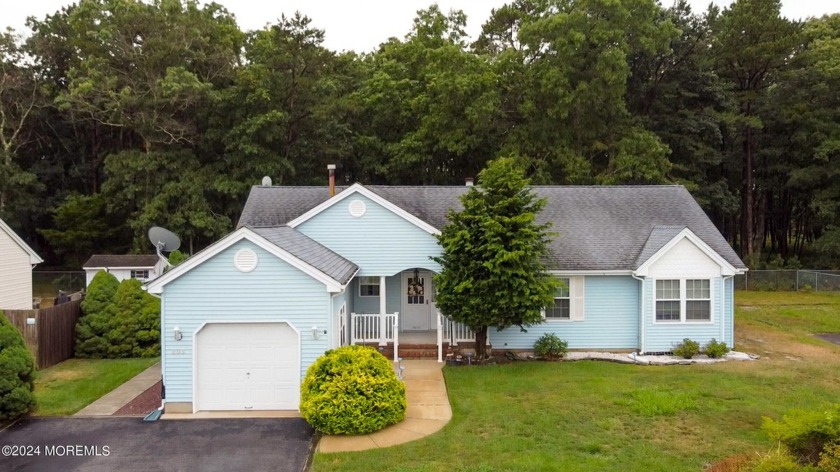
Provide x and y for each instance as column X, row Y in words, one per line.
column 561, row 310
column 368, row 286
column 683, row 300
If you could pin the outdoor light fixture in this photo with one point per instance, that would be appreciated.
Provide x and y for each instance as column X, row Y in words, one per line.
column 178, row 334
column 416, row 275
column 314, row 332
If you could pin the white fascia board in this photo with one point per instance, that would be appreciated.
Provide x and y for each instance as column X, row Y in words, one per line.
column 591, row 272
column 360, row 189
column 34, row 258
column 156, row 286
column 727, row 269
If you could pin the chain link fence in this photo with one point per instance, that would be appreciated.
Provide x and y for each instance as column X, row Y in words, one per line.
column 789, row 280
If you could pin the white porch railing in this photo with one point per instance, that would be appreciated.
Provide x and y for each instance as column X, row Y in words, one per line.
column 452, row 332
column 381, row 328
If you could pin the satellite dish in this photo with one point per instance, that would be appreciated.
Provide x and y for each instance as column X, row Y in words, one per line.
column 266, row 181
column 164, row 241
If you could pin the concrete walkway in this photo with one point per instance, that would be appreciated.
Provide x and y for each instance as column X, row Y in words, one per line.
column 117, row 398
column 428, row 411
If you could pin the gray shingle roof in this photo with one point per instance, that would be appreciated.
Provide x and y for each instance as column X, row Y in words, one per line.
column 599, row 228
column 128, row 260
column 309, row 251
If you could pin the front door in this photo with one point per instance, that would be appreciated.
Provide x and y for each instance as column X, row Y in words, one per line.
column 416, row 301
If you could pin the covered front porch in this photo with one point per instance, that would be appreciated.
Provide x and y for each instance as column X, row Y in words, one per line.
column 398, row 312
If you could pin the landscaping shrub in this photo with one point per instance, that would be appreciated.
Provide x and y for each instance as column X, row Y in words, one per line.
column 352, row 390
column 715, row 349
column 777, row 461
column 135, row 322
column 549, row 346
column 17, row 370
column 809, row 435
column 118, row 320
column 687, row 349
column 95, row 321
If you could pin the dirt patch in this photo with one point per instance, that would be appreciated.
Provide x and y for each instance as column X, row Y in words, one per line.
column 66, row 375
column 143, row 403
column 830, row 337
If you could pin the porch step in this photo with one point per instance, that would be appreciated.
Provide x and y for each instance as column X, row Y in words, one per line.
column 412, row 351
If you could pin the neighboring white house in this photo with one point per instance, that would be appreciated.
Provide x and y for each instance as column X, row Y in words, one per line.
column 16, row 262
column 143, row 267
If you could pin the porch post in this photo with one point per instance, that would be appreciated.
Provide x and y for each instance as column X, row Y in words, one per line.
column 439, row 337
column 383, row 326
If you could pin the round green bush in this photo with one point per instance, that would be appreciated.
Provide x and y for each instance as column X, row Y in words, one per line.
column 17, row 371
column 352, row 390
column 715, row 349
column 687, row 349
column 549, row 346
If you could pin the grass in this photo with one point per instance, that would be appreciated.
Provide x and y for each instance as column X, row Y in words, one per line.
column 69, row 386
column 589, row 416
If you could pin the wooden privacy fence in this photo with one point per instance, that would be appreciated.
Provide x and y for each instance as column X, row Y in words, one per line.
column 49, row 333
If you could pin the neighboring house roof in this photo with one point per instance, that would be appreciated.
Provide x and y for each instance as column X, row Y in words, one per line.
column 34, row 258
column 128, row 261
column 598, row 227
column 310, row 251
column 285, row 243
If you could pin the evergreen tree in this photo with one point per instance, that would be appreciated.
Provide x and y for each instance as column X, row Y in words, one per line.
column 493, row 251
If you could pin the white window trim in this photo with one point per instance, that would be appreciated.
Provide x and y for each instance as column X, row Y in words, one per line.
column 683, row 299
column 576, row 287
column 361, row 295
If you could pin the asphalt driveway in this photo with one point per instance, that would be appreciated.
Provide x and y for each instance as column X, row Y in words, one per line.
column 130, row 444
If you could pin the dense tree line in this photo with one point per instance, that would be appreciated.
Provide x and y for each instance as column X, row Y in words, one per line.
column 116, row 115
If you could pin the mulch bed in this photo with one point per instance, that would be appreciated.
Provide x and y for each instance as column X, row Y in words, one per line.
column 142, row 404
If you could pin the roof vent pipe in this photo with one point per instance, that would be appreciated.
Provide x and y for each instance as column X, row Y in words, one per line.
column 469, row 181
column 331, row 168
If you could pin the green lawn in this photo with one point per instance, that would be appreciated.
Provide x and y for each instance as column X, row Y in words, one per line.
column 67, row 387
column 603, row 416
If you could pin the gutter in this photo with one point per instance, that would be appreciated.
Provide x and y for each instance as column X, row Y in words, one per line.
column 641, row 312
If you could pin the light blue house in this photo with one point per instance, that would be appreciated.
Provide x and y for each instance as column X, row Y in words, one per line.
column 307, row 271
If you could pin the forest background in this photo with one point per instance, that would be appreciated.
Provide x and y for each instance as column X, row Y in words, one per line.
column 117, row 115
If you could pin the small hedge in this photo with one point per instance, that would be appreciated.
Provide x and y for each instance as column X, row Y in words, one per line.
column 17, row 371
column 352, row 390
column 715, row 349
column 549, row 346
column 687, row 349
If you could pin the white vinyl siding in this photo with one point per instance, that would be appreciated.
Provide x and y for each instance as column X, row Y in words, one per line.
column 15, row 275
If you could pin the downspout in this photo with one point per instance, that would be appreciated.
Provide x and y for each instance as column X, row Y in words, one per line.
column 641, row 312
column 723, row 310
column 154, row 415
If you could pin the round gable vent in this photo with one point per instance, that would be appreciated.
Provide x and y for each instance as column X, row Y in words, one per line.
column 357, row 208
column 245, row 260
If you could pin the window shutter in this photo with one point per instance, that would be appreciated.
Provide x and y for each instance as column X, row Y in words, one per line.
column 576, row 292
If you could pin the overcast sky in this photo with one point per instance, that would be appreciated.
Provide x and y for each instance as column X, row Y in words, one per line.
column 363, row 25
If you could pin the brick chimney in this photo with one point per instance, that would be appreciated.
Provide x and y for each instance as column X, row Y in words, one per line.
column 469, row 181
column 331, row 168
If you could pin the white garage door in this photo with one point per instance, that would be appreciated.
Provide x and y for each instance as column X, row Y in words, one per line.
column 247, row 366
